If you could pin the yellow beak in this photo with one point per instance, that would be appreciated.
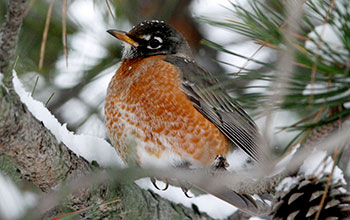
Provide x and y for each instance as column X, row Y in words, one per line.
column 123, row 36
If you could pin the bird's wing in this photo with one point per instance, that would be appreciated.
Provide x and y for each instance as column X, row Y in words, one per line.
column 215, row 104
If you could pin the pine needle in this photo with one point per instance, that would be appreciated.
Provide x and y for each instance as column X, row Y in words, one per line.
column 302, row 65
column 249, row 59
column 326, row 189
column 64, row 30
column 48, row 100
column 233, row 21
column 15, row 64
column 267, row 44
column 25, row 13
column 35, row 84
column 109, row 9
column 45, row 33
column 296, row 35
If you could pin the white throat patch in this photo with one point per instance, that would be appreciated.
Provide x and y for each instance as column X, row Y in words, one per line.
column 128, row 51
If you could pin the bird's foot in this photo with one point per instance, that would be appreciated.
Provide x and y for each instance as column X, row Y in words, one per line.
column 154, row 182
column 185, row 190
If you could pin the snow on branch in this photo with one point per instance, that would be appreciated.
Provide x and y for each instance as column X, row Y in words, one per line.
column 87, row 146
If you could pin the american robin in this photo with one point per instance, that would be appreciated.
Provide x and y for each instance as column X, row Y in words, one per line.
column 163, row 110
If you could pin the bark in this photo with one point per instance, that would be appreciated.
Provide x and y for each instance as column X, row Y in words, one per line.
column 9, row 32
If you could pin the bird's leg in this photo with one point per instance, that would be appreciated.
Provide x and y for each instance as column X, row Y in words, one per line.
column 184, row 165
column 154, row 182
column 220, row 163
column 166, row 184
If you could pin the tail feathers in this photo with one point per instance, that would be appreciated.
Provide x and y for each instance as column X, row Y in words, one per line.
column 244, row 202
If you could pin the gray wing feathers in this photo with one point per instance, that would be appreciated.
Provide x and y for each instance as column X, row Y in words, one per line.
column 215, row 104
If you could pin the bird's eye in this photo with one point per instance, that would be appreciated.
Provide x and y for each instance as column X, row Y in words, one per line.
column 155, row 43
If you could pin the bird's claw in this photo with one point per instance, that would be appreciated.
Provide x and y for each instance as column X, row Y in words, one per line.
column 154, row 182
column 166, row 185
column 185, row 190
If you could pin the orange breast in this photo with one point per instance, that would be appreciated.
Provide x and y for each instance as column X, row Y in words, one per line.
column 148, row 113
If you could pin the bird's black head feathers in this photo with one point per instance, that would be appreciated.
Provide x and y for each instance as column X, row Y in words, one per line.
column 151, row 38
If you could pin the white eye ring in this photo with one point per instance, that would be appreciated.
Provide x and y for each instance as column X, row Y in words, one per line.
column 160, row 41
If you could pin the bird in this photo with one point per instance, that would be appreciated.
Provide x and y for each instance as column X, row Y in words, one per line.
column 163, row 110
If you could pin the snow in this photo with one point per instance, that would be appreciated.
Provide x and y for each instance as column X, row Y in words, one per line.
column 87, row 146
column 347, row 105
column 329, row 35
column 316, row 88
column 213, row 206
column 320, row 88
column 286, row 184
column 258, row 86
column 316, row 164
column 255, row 218
column 16, row 202
column 319, row 164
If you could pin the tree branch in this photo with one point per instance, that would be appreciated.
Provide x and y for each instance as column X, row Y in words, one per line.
column 9, row 34
column 38, row 155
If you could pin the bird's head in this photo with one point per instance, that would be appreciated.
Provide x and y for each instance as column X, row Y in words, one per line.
column 151, row 38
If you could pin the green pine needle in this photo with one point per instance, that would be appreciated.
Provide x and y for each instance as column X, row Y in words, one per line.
column 48, row 100
column 35, row 84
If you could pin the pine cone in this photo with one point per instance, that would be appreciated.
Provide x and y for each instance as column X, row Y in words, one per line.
column 302, row 200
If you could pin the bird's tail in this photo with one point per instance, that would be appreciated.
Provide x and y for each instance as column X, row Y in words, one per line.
column 244, row 202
